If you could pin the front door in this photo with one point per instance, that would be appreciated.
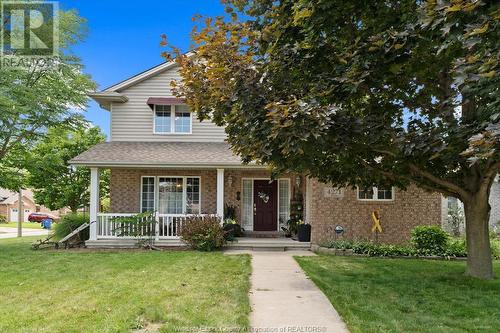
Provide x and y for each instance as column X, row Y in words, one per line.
column 265, row 205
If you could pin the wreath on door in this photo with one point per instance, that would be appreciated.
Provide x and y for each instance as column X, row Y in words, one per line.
column 264, row 197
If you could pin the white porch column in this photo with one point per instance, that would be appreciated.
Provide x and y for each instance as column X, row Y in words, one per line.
column 220, row 193
column 94, row 201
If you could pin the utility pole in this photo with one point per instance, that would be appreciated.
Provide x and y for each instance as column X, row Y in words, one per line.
column 20, row 213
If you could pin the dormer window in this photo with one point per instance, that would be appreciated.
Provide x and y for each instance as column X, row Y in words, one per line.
column 172, row 119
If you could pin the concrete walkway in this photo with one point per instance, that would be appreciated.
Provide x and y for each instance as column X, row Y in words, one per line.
column 283, row 299
column 8, row 232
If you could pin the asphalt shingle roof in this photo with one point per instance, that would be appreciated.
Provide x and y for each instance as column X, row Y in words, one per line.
column 158, row 154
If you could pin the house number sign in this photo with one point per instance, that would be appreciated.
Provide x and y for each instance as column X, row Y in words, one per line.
column 333, row 192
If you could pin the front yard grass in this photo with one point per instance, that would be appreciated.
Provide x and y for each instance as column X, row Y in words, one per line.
column 28, row 225
column 119, row 291
column 398, row 295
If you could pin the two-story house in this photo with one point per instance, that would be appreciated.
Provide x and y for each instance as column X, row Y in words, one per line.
column 163, row 159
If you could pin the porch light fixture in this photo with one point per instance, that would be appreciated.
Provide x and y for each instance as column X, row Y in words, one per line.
column 297, row 181
column 229, row 181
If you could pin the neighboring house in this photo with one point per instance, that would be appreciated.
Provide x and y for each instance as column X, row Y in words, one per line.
column 9, row 205
column 163, row 159
column 494, row 201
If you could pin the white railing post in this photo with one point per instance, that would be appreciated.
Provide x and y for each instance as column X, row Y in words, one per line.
column 220, row 194
column 157, row 226
column 94, row 202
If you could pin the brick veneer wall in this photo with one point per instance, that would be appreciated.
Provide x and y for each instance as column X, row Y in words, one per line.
column 125, row 187
column 408, row 209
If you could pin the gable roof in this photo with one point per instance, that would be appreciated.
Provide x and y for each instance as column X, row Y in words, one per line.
column 144, row 75
column 10, row 197
column 141, row 76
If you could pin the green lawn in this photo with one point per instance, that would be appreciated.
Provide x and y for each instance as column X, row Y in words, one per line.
column 398, row 295
column 117, row 291
column 29, row 225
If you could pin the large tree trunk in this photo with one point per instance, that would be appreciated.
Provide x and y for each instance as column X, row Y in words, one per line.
column 477, row 212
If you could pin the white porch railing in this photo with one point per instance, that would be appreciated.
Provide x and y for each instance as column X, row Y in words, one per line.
column 163, row 226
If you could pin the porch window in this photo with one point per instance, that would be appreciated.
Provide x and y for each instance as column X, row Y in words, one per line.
column 246, row 204
column 284, row 201
column 376, row 193
column 192, row 195
column 148, row 194
column 176, row 195
column 172, row 119
column 170, row 192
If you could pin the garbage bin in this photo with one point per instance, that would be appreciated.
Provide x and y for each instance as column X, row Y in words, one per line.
column 304, row 232
column 47, row 224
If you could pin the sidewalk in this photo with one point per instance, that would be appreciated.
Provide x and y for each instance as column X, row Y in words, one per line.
column 283, row 299
column 7, row 232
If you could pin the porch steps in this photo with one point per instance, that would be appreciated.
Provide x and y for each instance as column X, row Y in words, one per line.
column 263, row 234
column 268, row 244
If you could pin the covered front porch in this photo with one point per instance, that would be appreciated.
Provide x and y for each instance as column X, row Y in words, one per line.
column 175, row 180
column 248, row 195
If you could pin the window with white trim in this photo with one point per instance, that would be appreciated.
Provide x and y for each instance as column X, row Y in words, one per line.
column 172, row 119
column 246, row 204
column 148, row 194
column 163, row 119
column 284, row 201
column 376, row 193
column 175, row 195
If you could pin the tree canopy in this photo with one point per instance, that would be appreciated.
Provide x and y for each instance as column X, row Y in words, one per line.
column 359, row 93
column 56, row 184
column 36, row 98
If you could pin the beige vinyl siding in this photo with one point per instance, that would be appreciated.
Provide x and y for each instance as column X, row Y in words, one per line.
column 133, row 120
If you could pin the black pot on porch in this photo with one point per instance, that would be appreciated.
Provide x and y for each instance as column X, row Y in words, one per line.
column 304, row 232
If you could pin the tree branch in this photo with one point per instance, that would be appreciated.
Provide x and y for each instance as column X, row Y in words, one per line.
column 449, row 186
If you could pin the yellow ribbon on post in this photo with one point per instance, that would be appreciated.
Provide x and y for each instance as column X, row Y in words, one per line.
column 376, row 222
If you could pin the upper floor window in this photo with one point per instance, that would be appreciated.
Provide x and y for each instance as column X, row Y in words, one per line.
column 376, row 193
column 172, row 119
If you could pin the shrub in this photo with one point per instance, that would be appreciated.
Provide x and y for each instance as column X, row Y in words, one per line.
column 203, row 233
column 232, row 229
column 70, row 222
column 3, row 219
column 495, row 248
column 456, row 248
column 429, row 240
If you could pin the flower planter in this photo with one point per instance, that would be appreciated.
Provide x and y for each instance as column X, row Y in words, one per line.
column 304, row 232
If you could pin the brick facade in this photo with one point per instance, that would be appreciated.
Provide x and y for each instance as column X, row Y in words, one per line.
column 125, row 187
column 409, row 209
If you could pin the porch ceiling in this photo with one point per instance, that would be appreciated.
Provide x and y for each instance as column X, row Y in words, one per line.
column 161, row 155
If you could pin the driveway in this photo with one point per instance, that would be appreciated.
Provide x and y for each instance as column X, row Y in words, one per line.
column 7, row 232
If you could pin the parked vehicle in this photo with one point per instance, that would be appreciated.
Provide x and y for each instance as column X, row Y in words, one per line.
column 39, row 217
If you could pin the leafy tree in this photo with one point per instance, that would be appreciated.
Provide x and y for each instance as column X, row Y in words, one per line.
column 359, row 92
column 57, row 184
column 36, row 97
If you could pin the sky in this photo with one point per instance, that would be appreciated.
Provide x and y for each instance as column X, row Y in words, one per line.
column 123, row 38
